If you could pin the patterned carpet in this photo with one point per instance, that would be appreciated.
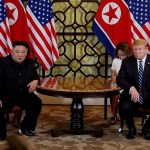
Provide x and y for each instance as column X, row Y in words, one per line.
column 52, row 116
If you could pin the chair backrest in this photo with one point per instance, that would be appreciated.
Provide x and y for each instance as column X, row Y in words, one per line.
column 144, row 110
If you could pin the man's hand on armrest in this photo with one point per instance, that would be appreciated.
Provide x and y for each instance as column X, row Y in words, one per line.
column 32, row 85
column 134, row 94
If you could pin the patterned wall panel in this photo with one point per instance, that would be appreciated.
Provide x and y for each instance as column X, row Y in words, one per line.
column 81, row 54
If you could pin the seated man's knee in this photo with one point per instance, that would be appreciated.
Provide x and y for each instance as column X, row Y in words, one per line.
column 125, row 106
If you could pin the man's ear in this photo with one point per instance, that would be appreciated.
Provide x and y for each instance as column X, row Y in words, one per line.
column 11, row 52
column 146, row 47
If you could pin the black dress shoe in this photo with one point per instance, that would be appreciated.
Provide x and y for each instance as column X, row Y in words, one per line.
column 131, row 134
column 26, row 132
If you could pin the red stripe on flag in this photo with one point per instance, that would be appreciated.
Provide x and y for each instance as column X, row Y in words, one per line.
column 50, row 31
column 5, row 39
column 146, row 30
column 54, row 82
column 54, row 47
column 40, row 47
column 49, row 82
column 38, row 56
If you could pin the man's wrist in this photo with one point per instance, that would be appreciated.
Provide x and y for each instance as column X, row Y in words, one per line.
column 130, row 89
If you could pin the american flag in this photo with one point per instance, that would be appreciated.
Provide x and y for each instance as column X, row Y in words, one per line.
column 42, row 32
column 5, row 42
column 140, row 18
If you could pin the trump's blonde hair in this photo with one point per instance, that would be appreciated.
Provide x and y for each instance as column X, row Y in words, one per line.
column 140, row 42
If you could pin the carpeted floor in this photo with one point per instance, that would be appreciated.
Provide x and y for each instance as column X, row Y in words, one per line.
column 54, row 115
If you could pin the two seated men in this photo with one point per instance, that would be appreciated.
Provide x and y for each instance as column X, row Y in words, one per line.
column 18, row 80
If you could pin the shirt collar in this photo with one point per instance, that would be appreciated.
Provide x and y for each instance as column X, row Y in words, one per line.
column 143, row 60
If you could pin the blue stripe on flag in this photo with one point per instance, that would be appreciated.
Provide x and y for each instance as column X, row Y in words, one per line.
column 103, row 38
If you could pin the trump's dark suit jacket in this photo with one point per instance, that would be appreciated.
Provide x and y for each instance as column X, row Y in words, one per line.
column 128, row 76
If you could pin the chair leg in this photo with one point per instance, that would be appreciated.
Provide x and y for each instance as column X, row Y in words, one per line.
column 143, row 119
column 17, row 118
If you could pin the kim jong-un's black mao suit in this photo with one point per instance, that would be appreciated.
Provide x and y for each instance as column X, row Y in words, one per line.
column 14, row 78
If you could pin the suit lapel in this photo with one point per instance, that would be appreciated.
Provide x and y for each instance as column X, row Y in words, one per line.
column 135, row 71
column 146, row 68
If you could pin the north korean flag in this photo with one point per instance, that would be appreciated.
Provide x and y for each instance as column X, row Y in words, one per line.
column 17, row 21
column 112, row 24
